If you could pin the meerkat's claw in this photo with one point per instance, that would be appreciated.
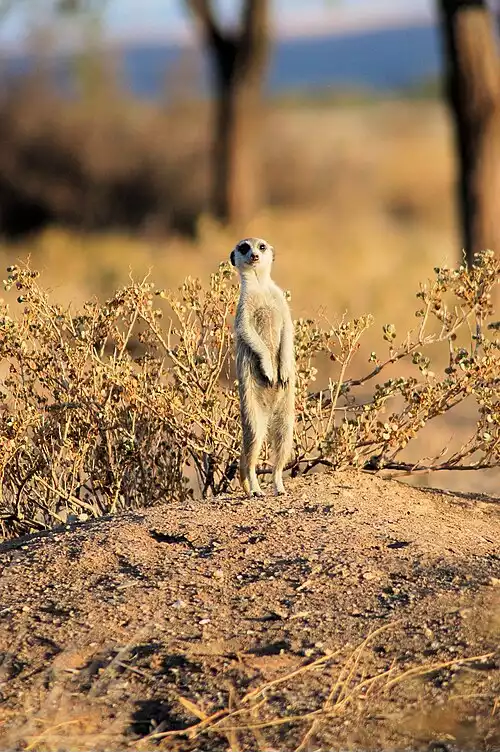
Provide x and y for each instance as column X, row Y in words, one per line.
column 267, row 378
column 256, row 492
column 266, row 368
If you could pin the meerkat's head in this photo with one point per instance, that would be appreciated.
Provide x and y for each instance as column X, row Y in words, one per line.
column 253, row 256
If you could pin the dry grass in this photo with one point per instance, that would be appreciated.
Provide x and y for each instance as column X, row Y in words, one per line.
column 347, row 686
column 342, row 686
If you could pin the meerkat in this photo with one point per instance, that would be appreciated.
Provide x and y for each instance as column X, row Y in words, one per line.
column 265, row 364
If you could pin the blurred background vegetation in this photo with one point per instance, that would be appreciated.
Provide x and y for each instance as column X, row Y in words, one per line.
column 360, row 138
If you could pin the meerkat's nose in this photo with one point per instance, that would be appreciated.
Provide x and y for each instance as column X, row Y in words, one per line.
column 254, row 256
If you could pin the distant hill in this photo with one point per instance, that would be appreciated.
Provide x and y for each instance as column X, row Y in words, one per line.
column 382, row 59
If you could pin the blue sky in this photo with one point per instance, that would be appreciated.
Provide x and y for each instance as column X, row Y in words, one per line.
column 143, row 18
column 170, row 15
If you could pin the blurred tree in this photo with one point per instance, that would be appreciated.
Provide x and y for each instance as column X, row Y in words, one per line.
column 239, row 57
column 473, row 93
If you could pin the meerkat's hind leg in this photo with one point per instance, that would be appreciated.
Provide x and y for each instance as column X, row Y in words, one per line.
column 254, row 427
column 248, row 468
column 281, row 440
column 245, row 483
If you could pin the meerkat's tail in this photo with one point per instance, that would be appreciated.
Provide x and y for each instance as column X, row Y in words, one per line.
column 281, row 438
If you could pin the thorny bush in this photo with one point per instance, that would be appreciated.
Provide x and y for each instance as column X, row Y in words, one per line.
column 110, row 407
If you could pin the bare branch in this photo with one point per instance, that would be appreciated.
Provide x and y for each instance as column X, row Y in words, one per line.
column 409, row 468
column 203, row 11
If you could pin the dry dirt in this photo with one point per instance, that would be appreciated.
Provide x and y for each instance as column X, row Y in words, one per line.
column 117, row 632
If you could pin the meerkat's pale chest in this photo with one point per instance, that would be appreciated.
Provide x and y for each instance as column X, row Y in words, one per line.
column 267, row 320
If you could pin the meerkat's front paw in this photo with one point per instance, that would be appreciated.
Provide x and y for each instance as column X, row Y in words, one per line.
column 283, row 376
column 266, row 365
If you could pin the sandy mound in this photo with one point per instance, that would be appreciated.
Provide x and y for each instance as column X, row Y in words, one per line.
column 246, row 618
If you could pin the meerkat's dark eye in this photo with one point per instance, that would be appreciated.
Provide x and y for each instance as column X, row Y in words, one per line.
column 244, row 247
column 262, row 247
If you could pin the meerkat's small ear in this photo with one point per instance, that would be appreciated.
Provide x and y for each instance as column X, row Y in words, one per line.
column 233, row 260
column 272, row 251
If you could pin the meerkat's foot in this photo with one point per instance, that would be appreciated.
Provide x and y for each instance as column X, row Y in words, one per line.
column 279, row 488
column 251, row 493
column 255, row 490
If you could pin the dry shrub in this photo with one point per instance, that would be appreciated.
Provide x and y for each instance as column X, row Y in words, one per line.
column 106, row 408
column 104, row 160
column 95, row 164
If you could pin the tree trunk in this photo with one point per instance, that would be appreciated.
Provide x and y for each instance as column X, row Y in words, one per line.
column 237, row 187
column 239, row 61
column 473, row 92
